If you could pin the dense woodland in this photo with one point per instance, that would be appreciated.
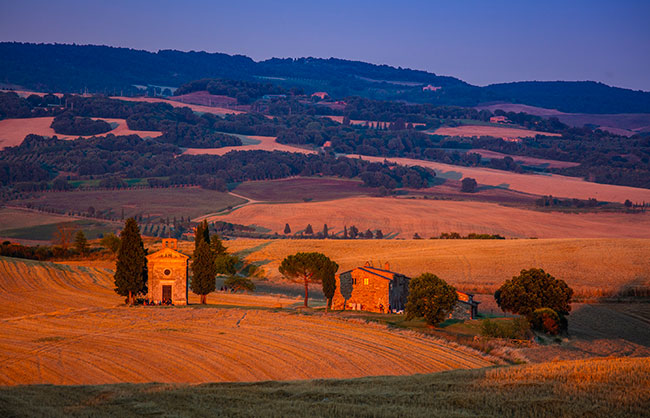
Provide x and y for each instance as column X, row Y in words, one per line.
column 603, row 157
column 100, row 69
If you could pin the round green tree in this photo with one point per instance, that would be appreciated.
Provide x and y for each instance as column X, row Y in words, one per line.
column 534, row 289
column 431, row 298
column 131, row 269
column 310, row 267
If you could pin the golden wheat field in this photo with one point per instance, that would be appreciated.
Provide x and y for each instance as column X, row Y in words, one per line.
column 399, row 217
column 613, row 387
column 62, row 325
column 13, row 131
column 535, row 184
column 592, row 267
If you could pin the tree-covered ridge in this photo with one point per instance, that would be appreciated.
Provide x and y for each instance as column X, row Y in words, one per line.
column 40, row 159
column 109, row 70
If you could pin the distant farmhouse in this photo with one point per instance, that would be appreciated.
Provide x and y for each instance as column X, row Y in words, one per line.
column 499, row 119
column 380, row 290
column 167, row 271
column 321, row 95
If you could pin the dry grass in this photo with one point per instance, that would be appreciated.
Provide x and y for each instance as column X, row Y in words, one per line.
column 535, row 184
column 603, row 387
column 266, row 143
column 13, row 131
column 62, row 325
column 592, row 267
column 431, row 217
column 496, row 131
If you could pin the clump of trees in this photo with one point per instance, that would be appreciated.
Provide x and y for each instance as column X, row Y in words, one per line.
column 311, row 267
column 131, row 269
column 541, row 298
column 69, row 124
column 431, row 298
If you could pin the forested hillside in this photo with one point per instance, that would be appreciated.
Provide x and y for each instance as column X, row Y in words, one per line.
column 101, row 69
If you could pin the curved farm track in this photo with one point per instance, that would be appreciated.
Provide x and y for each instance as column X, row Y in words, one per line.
column 72, row 331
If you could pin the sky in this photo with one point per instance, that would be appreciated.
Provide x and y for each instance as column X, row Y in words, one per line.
column 481, row 42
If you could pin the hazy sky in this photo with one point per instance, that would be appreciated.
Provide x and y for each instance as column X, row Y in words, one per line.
column 481, row 42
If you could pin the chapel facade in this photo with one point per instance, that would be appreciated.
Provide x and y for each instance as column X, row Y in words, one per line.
column 167, row 274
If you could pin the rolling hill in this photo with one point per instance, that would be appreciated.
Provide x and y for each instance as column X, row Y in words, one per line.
column 75, row 68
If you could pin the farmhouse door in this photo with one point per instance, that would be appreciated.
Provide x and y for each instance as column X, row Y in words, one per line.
column 167, row 292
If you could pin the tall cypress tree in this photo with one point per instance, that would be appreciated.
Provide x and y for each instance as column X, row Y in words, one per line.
column 204, row 271
column 130, row 271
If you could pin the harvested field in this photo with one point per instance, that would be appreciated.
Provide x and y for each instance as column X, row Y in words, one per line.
column 265, row 143
column 530, row 161
column 613, row 387
column 164, row 202
column 405, row 217
column 497, row 131
column 13, row 131
column 302, row 188
column 536, row 184
column 75, row 337
column 592, row 267
column 194, row 107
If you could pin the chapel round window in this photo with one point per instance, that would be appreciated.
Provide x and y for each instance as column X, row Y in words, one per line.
column 167, row 272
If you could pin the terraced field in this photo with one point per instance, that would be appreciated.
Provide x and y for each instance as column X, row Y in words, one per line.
column 62, row 325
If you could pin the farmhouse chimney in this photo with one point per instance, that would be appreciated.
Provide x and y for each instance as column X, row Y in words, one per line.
column 387, row 266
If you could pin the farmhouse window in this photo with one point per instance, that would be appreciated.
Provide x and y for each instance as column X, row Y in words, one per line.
column 365, row 281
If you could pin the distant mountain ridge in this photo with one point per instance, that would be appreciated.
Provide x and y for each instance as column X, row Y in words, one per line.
column 75, row 68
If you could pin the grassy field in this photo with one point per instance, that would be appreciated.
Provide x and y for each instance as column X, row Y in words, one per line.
column 166, row 202
column 195, row 108
column 62, row 325
column 602, row 387
column 403, row 217
column 593, row 267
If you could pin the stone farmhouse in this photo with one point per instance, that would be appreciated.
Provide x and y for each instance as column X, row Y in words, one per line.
column 168, row 271
column 380, row 290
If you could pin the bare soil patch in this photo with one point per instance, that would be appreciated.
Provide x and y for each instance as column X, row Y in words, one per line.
column 302, row 189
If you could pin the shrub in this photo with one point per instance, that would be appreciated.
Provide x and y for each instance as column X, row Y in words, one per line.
column 548, row 321
column 239, row 283
column 430, row 297
column 517, row 329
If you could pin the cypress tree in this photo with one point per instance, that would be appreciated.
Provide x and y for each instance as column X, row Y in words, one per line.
column 130, row 271
column 81, row 242
column 204, row 271
column 287, row 229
